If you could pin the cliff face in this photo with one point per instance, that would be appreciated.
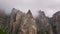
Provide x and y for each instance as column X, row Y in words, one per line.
column 25, row 23
column 21, row 23
column 43, row 25
column 56, row 22
column 15, row 21
column 29, row 25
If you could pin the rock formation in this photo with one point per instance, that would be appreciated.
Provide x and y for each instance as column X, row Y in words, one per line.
column 56, row 23
column 43, row 25
column 20, row 23
column 16, row 16
column 29, row 25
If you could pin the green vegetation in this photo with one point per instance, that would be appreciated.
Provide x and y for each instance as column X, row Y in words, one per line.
column 44, row 31
column 2, row 31
column 4, row 25
column 47, row 32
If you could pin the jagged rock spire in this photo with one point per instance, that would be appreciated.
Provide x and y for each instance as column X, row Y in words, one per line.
column 42, row 14
column 56, row 23
column 29, row 25
column 43, row 24
column 56, row 16
column 16, row 17
column 29, row 14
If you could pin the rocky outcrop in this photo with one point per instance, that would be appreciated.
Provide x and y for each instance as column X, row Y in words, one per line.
column 21, row 23
column 43, row 25
column 28, row 25
column 56, row 22
column 16, row 17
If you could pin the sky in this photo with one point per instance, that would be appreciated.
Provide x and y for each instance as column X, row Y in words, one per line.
column 48, row 6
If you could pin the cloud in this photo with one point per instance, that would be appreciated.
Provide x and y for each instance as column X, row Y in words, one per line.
column 48, row 6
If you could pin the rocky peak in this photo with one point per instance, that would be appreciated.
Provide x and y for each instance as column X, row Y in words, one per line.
column 12, row 15
column 29, row 14
column 42, row 23
column 14, row 10
column 41, row 12
column 56, row 16
column 29, row 25
column 16, row 19
column 16, row 14
column 56, row 22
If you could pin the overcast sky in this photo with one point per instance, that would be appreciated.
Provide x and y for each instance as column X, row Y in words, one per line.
column 48, row 6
